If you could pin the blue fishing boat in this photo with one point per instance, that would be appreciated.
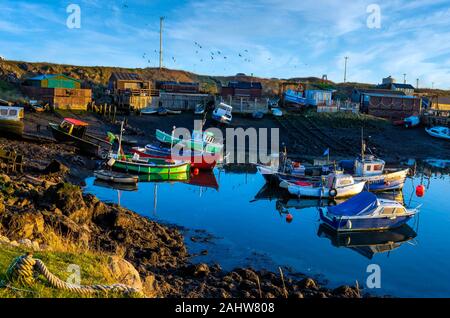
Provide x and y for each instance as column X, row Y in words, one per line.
column 294, row 97
column 366, row 212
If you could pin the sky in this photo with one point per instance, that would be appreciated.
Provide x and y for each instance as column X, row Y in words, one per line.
column 266, row 38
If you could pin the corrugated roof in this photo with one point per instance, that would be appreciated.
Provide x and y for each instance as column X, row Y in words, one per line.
column 379, row 91
column 49, row 76
column 404, row 86
column 122, row 76
column 245, row 85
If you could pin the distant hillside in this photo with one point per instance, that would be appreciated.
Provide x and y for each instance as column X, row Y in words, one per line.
column 96, row 77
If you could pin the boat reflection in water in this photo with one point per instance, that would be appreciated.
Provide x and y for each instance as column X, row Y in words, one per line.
column 369, row 243
column 115, row 186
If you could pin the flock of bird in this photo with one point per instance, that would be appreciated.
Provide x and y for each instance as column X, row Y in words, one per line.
column 215, row 55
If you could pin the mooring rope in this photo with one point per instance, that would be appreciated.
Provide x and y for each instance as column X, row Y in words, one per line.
column 25, row 269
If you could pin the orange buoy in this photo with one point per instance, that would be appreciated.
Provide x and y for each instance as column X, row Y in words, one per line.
column 289, row 218
column 196, row 172
column 420, row 190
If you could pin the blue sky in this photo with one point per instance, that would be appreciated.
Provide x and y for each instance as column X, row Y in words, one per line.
column 275, row 38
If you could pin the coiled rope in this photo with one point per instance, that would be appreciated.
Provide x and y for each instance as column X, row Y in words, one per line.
column 25, row 269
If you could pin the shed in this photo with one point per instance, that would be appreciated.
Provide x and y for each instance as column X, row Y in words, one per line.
column 53, row 81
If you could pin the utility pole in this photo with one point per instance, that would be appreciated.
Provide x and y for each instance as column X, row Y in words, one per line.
column 345, row 70
column 161, row 20
column 417, row 83
column 404, row 78
column 432, row 85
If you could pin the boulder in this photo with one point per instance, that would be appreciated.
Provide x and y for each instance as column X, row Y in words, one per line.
column 308, row 283
column 124, row 272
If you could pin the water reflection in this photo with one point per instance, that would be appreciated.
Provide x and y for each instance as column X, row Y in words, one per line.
column 368, row 244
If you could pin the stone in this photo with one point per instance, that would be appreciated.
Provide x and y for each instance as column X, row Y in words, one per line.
column 346, row 291
column 56, row 167
column 14, row 243
column 150, row 286
column 4, row 239
column 26, row 243
column 124, row 272
column 308, row 283
column 35, row 246
column 201, row 270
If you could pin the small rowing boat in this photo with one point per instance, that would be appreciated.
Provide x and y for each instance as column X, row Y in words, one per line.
column 149, row 111
column 115, row 177
column 439, row 132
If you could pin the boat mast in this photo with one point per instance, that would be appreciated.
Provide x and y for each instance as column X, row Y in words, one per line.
column 120, row 139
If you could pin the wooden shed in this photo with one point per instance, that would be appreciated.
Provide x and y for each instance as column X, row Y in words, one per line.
column 130, row 90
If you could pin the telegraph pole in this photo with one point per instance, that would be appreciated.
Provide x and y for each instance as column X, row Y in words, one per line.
column 404, row 78
column 345, row 70
column 161, row 20
column 417, row 83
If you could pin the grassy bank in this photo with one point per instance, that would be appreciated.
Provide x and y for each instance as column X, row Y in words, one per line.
column 93, row 268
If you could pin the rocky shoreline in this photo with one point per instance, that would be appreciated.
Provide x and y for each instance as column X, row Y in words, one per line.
column 44, row 209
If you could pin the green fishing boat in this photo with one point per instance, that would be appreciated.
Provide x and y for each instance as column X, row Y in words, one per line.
column 201, row 141
column 164, row 177
column 161, row 167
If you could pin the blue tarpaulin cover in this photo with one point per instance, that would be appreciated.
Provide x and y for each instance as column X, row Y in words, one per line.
column 360, row 204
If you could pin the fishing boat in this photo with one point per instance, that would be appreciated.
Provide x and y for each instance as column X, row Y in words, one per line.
column 149, row 111
column 370, row 243
column 372, row 170
column 200, row 141
column 336, row 185
column 223, row 113
column 198, row 160
column 411, row 121
column 75, row 131
column 134, row 164
column 199, row 109
column 439, row 132
column 115, row 177
column 11, row 122
column 366, row 212
column 294, row 97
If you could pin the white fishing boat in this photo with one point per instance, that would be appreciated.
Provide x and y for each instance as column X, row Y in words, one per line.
column 336, row 185
column 439, row 132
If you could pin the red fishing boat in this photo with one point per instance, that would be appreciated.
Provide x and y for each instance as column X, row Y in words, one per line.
column 198, row 160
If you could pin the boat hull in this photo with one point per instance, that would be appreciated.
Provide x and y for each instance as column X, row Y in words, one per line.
column 85, row 146
column 189, row 144
column 14, row 127
column 142, row 168
column 319, row 192
column 385, row 182
column 350, row 224
column 202, row 162
column 109, row 176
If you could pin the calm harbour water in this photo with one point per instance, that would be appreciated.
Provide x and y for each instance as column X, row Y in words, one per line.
column 255, row 233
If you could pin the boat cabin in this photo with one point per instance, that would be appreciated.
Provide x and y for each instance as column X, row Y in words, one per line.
column 369, row 166
column 74, row 127
column 223, row 111
column 339, row 180
column 11, row 113
column 391, row 208
column 206, row 137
